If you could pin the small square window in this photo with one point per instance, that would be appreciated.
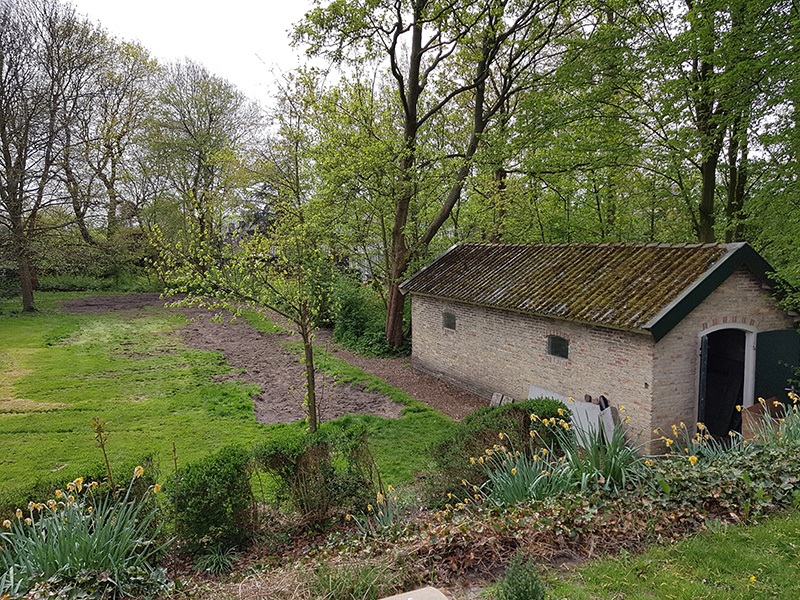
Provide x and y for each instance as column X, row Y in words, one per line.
column 449, row 321
column 557, row 346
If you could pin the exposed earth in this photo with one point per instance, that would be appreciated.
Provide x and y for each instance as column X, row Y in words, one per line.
column 263, row 359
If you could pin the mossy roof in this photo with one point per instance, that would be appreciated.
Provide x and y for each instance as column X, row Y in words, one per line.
column 646, row 287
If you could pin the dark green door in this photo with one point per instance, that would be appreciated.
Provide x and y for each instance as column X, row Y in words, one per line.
column 777, row 359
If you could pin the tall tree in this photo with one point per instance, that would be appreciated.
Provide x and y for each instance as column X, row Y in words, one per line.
column 47, row 54
column 200, row 136
column 443, row 57
column 98, row 157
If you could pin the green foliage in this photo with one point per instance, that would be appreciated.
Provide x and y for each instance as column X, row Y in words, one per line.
column 360, row 320
column 381, row 516
column 520, row 582
column 213, row 501
column 479, row 431
column 513, row 476
column 611, row 464
column 578, row 461
column 320, row 472
column 216, row 560
column 84, row 543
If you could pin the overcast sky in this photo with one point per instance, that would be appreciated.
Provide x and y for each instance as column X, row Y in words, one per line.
column 240, row 40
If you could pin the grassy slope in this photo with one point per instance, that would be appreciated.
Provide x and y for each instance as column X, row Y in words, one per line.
column 727, row 564
column 62, row 370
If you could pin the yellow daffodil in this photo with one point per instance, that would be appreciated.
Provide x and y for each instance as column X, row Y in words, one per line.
column 19, row 513
column 693, row 459
column 138, row 472
column 7, row 524
column 514, row 471
column 648, row 463
column 752, row 579
column 701, row 426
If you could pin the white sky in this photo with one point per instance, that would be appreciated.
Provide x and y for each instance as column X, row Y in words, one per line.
column 240, row 40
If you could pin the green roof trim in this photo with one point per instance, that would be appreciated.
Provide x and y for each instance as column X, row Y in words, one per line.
column 739, row 255
column 646, row 288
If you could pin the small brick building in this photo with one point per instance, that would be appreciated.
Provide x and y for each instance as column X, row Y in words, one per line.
column 673, row 332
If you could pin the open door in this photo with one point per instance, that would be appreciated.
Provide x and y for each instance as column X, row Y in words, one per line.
column 722, row 375
column 777, row 358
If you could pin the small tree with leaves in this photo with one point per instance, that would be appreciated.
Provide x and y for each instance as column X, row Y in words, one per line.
column 284, row 268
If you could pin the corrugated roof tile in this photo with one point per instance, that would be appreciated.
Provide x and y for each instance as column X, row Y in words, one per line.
column 615, row 285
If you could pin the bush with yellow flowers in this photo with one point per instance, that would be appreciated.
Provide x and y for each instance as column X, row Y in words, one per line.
column 84, row 541
column 479, row 431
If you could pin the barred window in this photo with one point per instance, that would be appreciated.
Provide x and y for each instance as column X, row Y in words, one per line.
column 557, row 346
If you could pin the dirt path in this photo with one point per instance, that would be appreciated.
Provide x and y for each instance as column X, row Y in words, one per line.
column 261, row 358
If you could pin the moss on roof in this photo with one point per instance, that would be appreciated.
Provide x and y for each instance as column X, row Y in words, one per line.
column 623, row 286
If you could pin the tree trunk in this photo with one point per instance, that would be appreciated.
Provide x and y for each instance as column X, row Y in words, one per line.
column 26, row 280
column 311, row 392
column 394, row 314
column 499, row 205
column 737, row 181
column 708, row 170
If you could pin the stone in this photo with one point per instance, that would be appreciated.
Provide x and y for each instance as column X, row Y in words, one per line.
column 426, row 593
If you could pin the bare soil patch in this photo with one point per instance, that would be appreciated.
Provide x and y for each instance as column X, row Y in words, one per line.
column 263, row 359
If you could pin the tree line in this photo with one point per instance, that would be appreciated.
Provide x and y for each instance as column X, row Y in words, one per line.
column 434, row 121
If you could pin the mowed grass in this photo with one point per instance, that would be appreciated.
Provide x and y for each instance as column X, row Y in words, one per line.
column 728, row 563
column 59, row 371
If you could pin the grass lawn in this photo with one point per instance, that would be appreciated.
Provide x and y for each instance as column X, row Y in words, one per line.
column 58, row 371
column 724, row 563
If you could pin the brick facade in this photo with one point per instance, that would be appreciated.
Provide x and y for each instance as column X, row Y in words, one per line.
column 739, row 303
column 502, row 351
column 492, row 350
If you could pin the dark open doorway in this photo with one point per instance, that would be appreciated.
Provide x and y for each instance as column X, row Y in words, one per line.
column 722, row 381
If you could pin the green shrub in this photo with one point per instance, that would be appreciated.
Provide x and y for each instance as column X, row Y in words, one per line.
column 215, row 560
column 213, row 501
column 330, row 469
column 360, row 319
column 83, row 543
column 521, row 581
column 479, row 431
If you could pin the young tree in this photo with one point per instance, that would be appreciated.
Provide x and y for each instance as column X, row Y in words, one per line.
column 281, row 267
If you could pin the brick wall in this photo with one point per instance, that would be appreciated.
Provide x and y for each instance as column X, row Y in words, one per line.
column 501, row 351
column 740, row 303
